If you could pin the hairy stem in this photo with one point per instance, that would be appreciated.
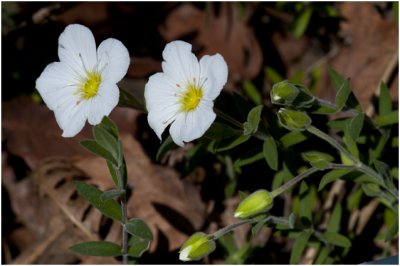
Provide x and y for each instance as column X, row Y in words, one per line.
column 124, row 217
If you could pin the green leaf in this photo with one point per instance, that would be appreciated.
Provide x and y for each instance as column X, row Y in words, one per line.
column 354, row 199
column 393, row 229
column 301, row 22
column 112, row 194
column 385, row 101
column 317, row 159
column 332, row 176
column 342, row 95
column 306, row 205
column 109, row 208
column 292, row 138
column 167, row 145
column 137, row 246
column 350, row 142
column 322, row 256
column 106, row 140
column 390, row 118
column 272, row 74
column 299, row 246
column 248, row 160
column 109, row 125
column 231, row 143
column 97, row 149
column 337, row 239
column 128, row 100
column 97, row 248
column 139, row 228
column 336, row 217
column 253, row 119
column 114, row 176
column 339, row 82
column 356, row 125
column 252, row 92
column 270, row 153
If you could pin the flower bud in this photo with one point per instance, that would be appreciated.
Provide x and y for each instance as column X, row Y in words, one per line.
column 256, row 202
column 289, row 94
column 196, row 247
column 293, row 120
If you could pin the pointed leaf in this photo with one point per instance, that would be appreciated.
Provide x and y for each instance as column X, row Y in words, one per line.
column 292, row 138
column 219, row 131
column 109, row 125
column 270, row 152
column 337, row 239
column 248, row 160
column 109, row 208
column 332, row 176
column 112, row 194
column 97, row 248
column 334, row 222
column 97, row 149
column 301, row 23
column 390, row 118
column 139, row 228
column 356, row 125
column 342, row 95
column 253, row 119
column 299, row 246
column 252, row 92
column 106, row 140
column 231, row 143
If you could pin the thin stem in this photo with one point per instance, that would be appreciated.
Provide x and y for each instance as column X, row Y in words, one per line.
column 228, row 118
column 124, row 218
column 333, row 142
column 293, row 181
column 230, row 227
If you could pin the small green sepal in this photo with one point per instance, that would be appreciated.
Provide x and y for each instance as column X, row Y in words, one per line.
column 196, row 247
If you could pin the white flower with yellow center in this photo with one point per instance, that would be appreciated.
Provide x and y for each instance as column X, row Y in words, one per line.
column 83, row 85
column 183, row 94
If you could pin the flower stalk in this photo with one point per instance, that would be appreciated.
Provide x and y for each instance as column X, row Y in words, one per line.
column 124, row 217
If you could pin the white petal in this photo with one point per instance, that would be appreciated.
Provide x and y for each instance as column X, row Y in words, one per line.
column 215, row 69
column 71, row 119
column 113, row 60
column 56, row 82
column 77, row 48
column 161, row 116
column 176, row 129
column 184, row 254
column 180, row 63
column 102, row 104
column 160, row 90
column 197, row 123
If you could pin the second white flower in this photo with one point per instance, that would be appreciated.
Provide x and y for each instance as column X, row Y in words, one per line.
column 183, row 94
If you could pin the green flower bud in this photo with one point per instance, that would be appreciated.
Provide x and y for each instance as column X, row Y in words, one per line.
column 289, row 94
column 256, row 202
column 196, row 247
column 293, row 120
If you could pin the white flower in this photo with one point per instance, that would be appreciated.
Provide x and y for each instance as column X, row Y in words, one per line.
column 183, row 94
column 83, row 85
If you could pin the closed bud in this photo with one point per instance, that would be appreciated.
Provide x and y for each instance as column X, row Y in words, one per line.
column 257, row 202
column 196, row 247
column 293, row 120
column 289, row 94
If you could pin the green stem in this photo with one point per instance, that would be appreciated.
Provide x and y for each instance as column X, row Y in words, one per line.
column 229, row 228
column 124, row 217
column 293, row 181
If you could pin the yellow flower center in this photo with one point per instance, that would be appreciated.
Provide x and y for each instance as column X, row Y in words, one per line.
column 90, row 87
column 191, row 98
